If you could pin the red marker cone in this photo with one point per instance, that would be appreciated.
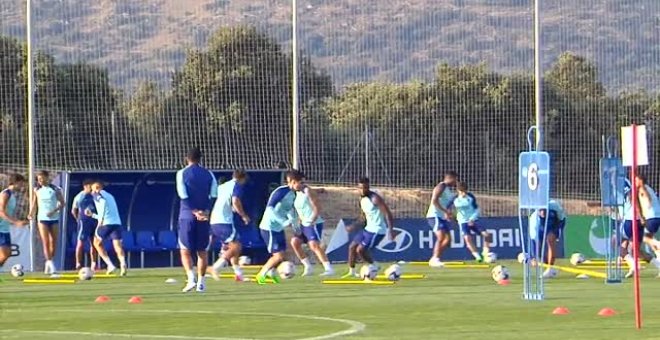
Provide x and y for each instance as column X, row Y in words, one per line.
column 560, row 311
column 607, row 312
column 504, row 282
column 135, row 300
column 102, row 299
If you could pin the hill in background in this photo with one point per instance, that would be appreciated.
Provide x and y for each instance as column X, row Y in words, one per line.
column 353, row 40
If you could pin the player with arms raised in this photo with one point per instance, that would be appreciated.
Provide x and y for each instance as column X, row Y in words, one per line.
column 47, row 202
column 279, row 213
column 86, row 224
column 379, row 221
column 308, row 209
column 7, row 219
column 467, row 215
column 109, row 225
column 222, row 223
column 439, row 215
column 196, row 187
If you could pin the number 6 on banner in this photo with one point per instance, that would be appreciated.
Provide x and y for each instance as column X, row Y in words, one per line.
column 534, row 180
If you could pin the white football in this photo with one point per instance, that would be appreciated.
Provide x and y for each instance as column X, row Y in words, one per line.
column 368, row 272
column 17, row 270
column 577, row 258
column 286, row 270
column 500, row 273
column 85, row 273
column 244, row 261
column 522, row 257
column 491, row 257
column 393, row 272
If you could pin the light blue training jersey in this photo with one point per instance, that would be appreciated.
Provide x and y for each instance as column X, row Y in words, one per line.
column 304, row 209
column 467, row 209
column 553, row 205
column 376, row 222
column 628, row 208
column 652, row 209
column 107, row 212
column 9, row 210
column 47, row 202
column 279, row 211
column 446, row 197
column 223, row 211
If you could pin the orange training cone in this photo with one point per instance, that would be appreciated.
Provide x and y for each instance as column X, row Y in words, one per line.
column 102, row 299
column 607, row 312
column 135, row 300
column 560, row 311
column 504, row 282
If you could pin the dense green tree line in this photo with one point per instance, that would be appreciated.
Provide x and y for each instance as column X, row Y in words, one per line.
column 234, row 99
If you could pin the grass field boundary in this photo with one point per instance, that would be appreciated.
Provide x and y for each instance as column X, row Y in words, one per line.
column 355, row 326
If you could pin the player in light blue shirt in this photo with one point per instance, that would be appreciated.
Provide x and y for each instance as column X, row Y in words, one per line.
column 226, row 205
column 279, row 214
column 46, row 204
column 439, row 215
column 378, row 221
column 308, row 208
column 7, row 215
column 86, row 224
column 109, row 225
column 650, row 216
column 556, row 221
column 467, row 215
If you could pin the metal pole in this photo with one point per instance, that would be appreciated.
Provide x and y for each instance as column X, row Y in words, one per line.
column 296, row 113
column 31, row 123
column 538, row 76
column 114, row 140
column 366, row 151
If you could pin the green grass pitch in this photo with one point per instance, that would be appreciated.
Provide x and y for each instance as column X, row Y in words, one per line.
column 448, row 304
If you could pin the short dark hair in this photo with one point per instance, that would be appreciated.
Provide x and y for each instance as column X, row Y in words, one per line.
column 462, row 186
column 641, row 176
column 16, row 178
column 295, row 175
column 43, row 173
column 98, row 181
column 194, row 155
column 239, row 174
column 451, row 173
column 363, row 180
column 88, row 181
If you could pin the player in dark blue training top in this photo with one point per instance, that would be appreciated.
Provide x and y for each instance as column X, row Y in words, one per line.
column 86, row 224
column 197, row 188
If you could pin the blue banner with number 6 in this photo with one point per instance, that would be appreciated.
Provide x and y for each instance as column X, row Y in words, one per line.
column 534, row 180
column 612, row 181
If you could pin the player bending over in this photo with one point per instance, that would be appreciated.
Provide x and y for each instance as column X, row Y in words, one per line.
column 467, row 215
column 379, row 221
column 309, row 211
column 279, row 213
column 46, row 204
column 86, row 224
column 7, row 219
column 196, row 187
column 439, row 215
column 627, row 233
column 650, row 212
column 556, row 219
column 109, row 225
column 222, row 223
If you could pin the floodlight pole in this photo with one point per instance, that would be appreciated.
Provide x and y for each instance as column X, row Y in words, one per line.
column 294, row 84
column 31, row 121
column 538, row 77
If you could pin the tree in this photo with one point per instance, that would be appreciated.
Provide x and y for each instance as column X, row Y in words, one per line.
column 575, row 77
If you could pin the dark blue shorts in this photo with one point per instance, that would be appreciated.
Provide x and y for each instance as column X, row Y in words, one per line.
column 194, row 234
column 86, row 229
column 5, row 240
column 556, row 229
column 627, row 230
column 311, row 233
column 368, row 239
column 112, row 230
column 471, row 230
column 49, row 224
column 652, row 226
column 226, row 233
column 439, row 224
column 275, row 240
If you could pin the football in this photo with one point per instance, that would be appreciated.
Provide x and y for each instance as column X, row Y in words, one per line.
column 244, row 261
column 393, row 272
column 85, row 274
column 286, row 270
column 17, row 270
column 500, row 273
column 368, row 272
